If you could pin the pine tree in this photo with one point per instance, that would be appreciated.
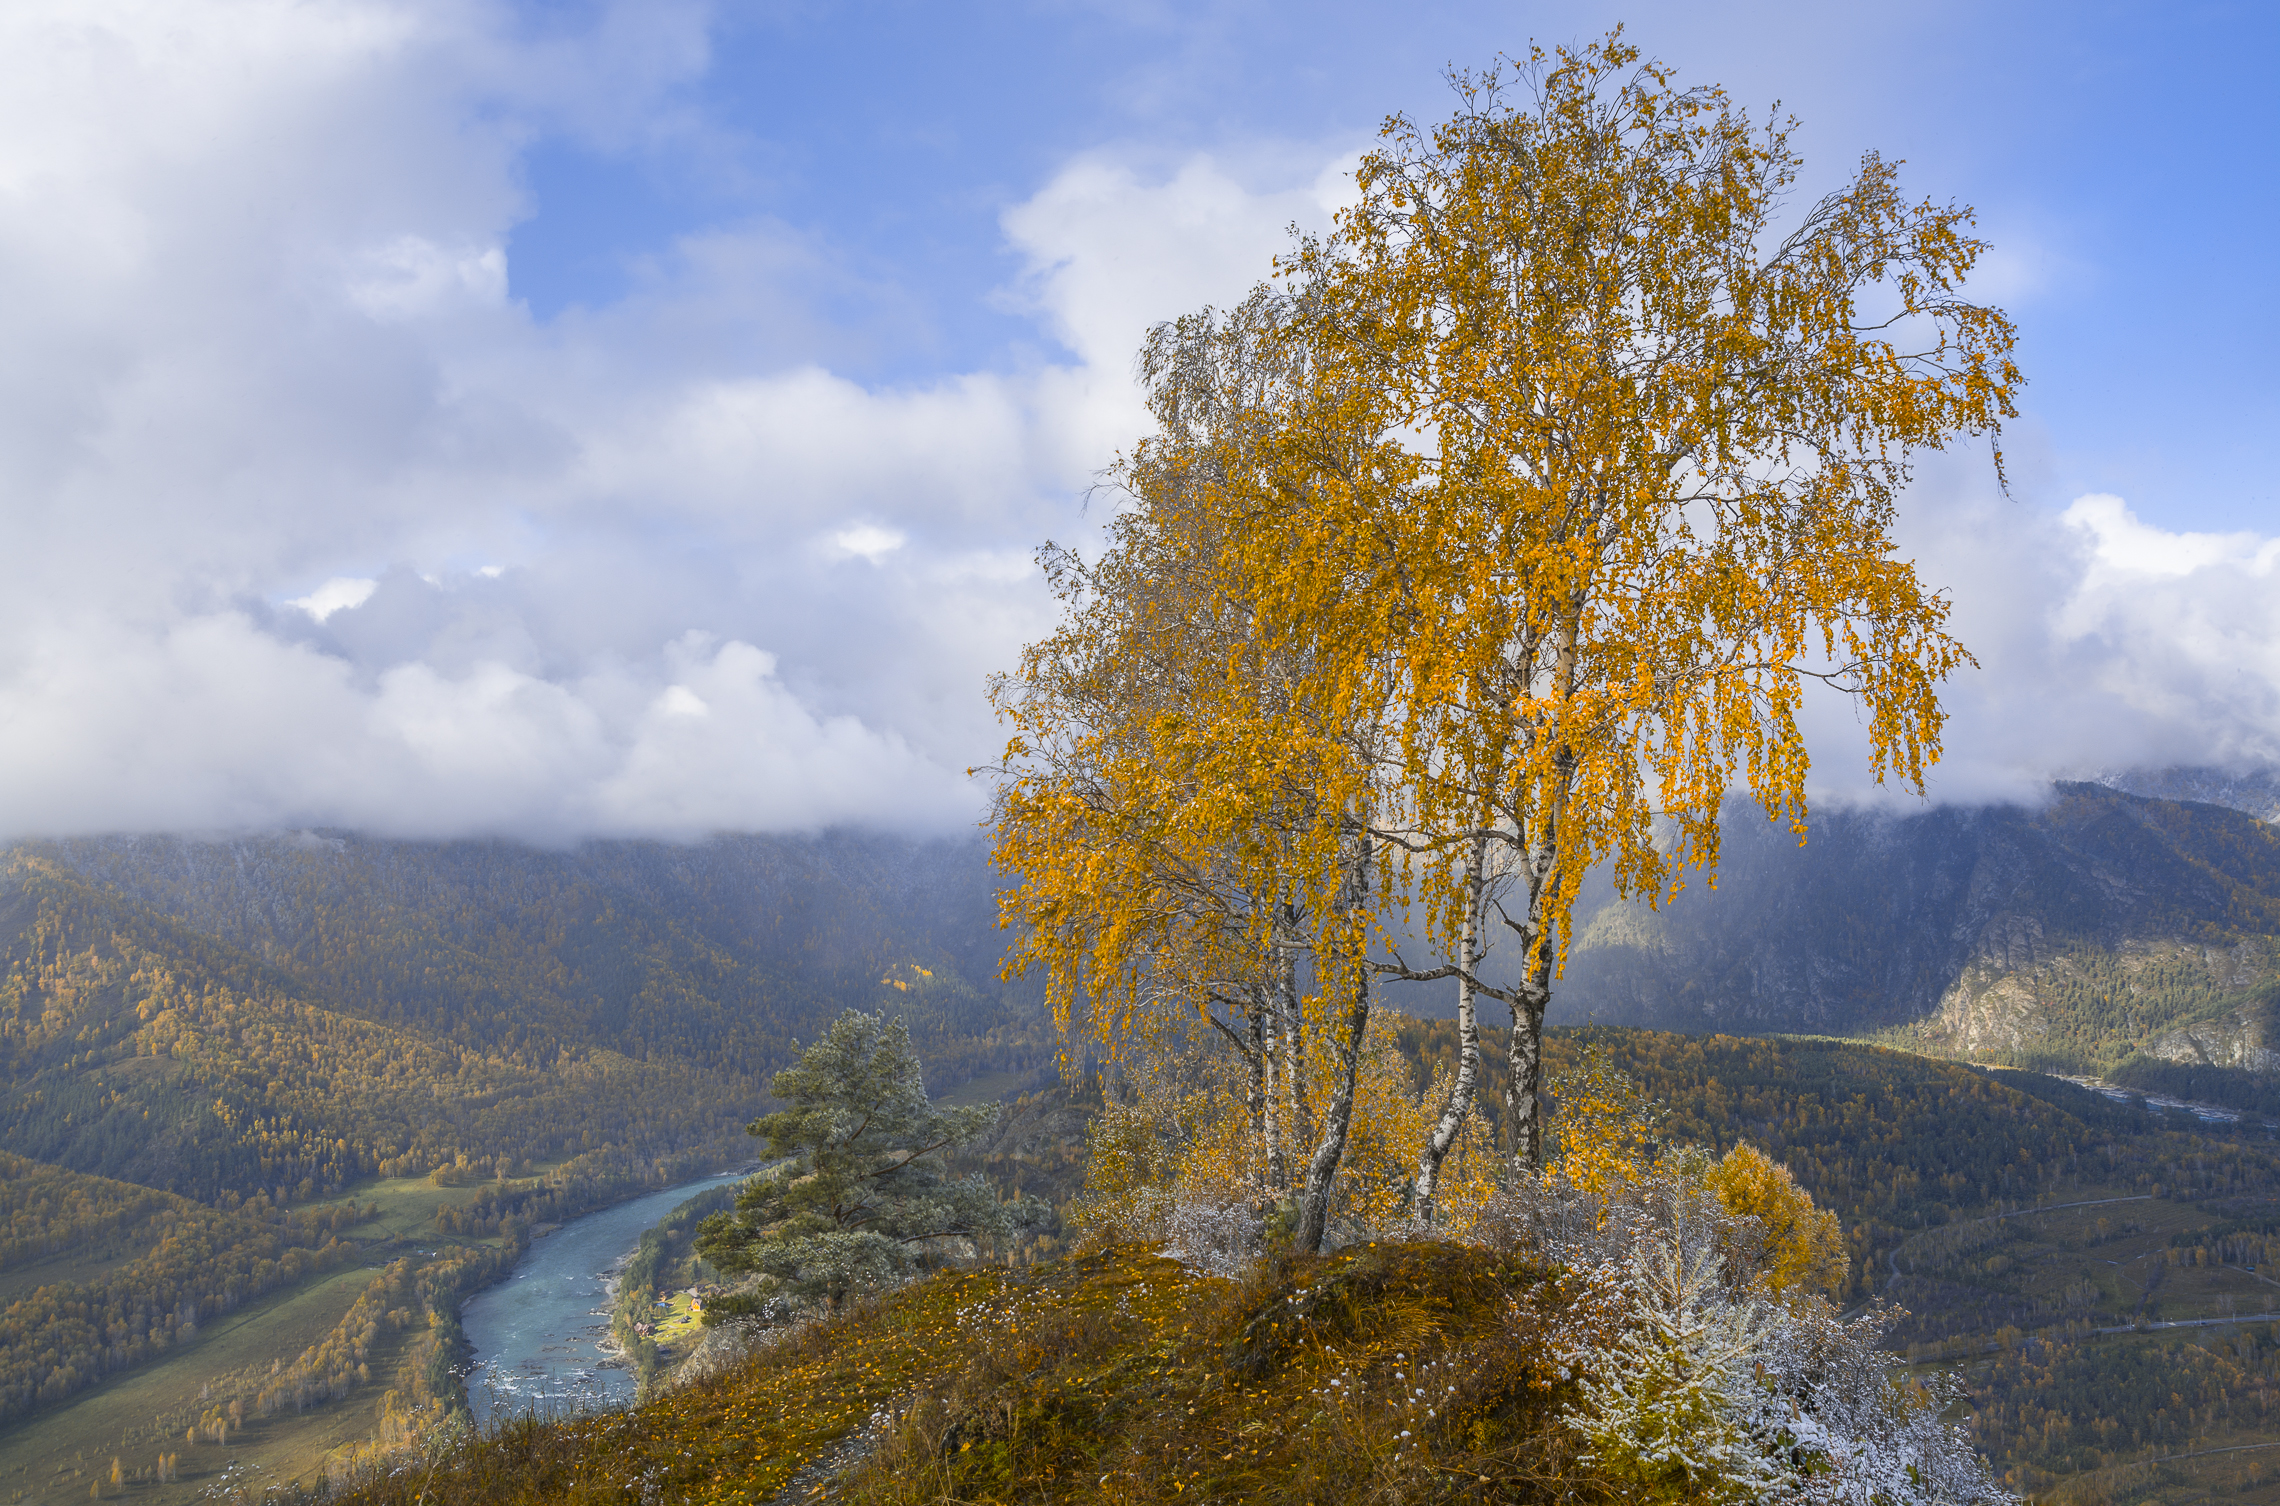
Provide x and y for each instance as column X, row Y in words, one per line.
column 860, row 1196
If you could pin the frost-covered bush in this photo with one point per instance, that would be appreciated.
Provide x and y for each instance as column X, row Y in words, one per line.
column 1165, row 1164
column 1214, row 1230
column 1698, row 1380
column 1826, row 1397
column 1210, row 1223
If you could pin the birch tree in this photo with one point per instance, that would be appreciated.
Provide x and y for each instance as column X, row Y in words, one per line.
column 1512, row 522
column 1658, row 426
column 1145, row 906
column 1187, row 798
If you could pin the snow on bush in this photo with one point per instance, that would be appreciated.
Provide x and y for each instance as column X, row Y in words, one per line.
column 1215, row 1230
column 1696, row 1376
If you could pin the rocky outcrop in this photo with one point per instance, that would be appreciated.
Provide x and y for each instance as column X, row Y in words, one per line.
column 2010, row 1000
column 1988, row 1010
column 2232, row 1040
column 2246, row 1036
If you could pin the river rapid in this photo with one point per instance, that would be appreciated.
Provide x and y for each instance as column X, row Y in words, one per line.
column 541, row 1337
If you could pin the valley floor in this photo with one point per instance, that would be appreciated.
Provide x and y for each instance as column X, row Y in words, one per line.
column 66, row 1453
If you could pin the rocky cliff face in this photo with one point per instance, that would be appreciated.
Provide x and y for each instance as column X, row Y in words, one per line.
column 2101, row 922
column 2245, row 1035
column 2161, row 998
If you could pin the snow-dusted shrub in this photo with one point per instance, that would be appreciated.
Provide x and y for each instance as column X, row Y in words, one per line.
column 1215, row 1230
column 1209, row 1223
column 1697, row 1380
column 1165, row 1163
column 1665, row 1349
column 1825, row 1396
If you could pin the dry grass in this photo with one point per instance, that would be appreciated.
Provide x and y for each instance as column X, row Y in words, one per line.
column 1391, row 1373
column 1385, row 1373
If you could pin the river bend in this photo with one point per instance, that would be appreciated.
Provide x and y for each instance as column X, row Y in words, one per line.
column 540, row 1336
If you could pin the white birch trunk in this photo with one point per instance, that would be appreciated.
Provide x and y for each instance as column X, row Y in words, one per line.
column 1471, row 947
column 1346, row 1055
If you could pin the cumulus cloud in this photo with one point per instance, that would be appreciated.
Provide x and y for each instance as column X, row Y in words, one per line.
column 2104, row 644
column 869, row 541
column 339, row 592
column 1112, row 250
column 2185, row 628
column 310, row 522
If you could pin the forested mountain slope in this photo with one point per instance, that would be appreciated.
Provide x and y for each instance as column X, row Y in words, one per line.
column 134, row 1048
column 207, row 1017
column 716, row 953
column 1893, row 1141
column 98, row 1275
column 211, row 1053
column 2102, row 924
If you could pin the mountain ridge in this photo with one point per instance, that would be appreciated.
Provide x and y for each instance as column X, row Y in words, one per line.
column 2092, row 927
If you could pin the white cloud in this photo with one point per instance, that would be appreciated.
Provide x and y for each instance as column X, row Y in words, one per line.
column 868, row 541
column 661, row 568
column 220, row 724
column 339, row 592
column 1112, row 250
column 2184, row 631
column 2123, row 548
column 758, row 757
column 411, row 277
column 2104, row 644
column 653, row 568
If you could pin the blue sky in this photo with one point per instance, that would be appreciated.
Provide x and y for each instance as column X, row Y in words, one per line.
column 456, row 416
column 2121, row 158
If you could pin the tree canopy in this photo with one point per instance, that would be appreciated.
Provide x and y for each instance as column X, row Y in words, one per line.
column 1498, row 539
column 860, row 1192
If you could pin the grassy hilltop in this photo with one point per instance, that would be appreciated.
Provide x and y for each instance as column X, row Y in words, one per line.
column 1115, row 1376
column 1119, row 1375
